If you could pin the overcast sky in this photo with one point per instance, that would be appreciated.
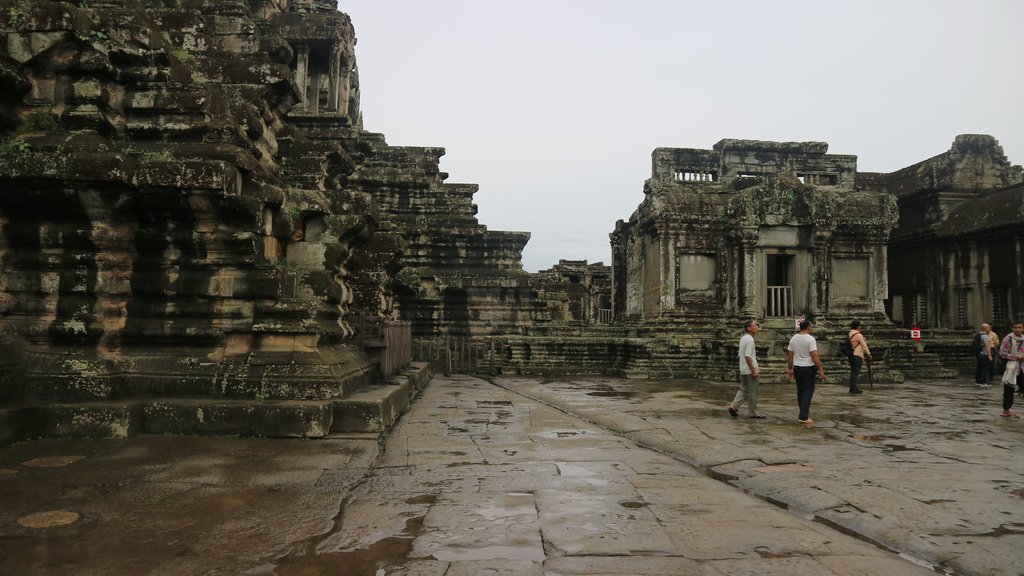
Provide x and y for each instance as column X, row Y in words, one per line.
column 553, row 107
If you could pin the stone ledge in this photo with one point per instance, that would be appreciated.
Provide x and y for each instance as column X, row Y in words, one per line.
column 375, row 408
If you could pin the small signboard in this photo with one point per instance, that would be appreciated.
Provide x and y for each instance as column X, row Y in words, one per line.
column 915, row 333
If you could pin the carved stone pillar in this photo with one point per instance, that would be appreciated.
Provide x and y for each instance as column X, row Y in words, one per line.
column 821, row 254
column 668, row 244
column 748, row 272
column 302, row 71
column 313, row 95
column 344, row 86
column 334, row 86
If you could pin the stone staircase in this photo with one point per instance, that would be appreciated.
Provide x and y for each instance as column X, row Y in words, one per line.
column 372, row 409
column 667, row 349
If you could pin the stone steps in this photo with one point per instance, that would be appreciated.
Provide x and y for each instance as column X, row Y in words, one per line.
column 693, row 354
column 373, row 409
column 924, row 365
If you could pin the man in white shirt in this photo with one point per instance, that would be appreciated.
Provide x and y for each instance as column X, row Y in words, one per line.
column 802, row 359
column 748, row 373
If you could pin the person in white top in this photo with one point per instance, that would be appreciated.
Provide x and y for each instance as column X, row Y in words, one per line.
column 802, row 359
column 748, row 373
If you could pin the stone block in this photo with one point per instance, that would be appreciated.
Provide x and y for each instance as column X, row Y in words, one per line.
column 292, row 419
column 91, row 420
column 19, row 423
column 373, row 409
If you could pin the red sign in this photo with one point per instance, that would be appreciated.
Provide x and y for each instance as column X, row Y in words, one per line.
column 915, row 333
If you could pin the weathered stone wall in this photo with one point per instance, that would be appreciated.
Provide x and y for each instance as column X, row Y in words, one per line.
column 165, row 227
column 575, row 291
column 456, row 277
column 956, row 255
column 722, row 232
column 190, row 206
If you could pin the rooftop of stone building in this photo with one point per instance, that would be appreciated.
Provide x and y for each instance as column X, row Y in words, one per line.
column 990, row 211
column 974, row 162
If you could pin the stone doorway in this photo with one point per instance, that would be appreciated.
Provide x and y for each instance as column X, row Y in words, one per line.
column 778, row 279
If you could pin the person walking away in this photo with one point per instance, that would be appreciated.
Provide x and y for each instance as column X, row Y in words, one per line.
column 748, row 373
column 861, row 354
column 801, row 361
column 986, row 348
column 1012, row 350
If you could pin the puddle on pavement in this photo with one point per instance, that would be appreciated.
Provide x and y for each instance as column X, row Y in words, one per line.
column 561, row 433
column 870, row 438
column 899, row 448
column 633, row 505
column 1005, row 529
column 422, row 499
column 379, row 558
column 771, row 468
column 611, row 394
column 48, row 519
column 764, row 552
column 53, row 461
column 856, row 419
column 485, row 403
column 457, row 554
column 383, row 555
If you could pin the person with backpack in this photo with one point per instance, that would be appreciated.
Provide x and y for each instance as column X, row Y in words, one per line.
column 859, row 353
column 984, row 345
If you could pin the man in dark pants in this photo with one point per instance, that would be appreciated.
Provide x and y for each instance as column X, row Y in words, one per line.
column 984, row 356
column 861, row 354
column 801, row 360
column 1012, row 350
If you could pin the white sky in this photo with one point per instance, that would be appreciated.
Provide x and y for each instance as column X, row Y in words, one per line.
column 553, row 107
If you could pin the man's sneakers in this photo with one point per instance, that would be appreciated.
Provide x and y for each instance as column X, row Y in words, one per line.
column 759, row 416
column 983, row 385
column 807, row 423
column 856, row 391
column 733, row 411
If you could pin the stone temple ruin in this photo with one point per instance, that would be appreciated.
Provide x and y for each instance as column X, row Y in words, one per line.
column 753, row 230
column 197, row 235
column 192, row 210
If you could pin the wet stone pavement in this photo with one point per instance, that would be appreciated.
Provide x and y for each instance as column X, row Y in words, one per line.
column 521, row 476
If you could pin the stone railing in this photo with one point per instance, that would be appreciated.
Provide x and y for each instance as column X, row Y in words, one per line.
column 780, row 301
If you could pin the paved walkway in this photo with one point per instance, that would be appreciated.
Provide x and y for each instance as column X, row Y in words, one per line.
column 928, row 469
column 477, row 479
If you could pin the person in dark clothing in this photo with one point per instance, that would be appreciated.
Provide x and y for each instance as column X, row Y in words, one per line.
column 861, row 354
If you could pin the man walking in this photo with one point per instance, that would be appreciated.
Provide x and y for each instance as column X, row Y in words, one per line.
column 861, row 354
column 801, row 360
column 987, row 343
column 748, row 373
column 1012, row 350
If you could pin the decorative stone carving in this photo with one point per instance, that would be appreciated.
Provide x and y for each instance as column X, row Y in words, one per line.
column 166, row 227
column 751, row 229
